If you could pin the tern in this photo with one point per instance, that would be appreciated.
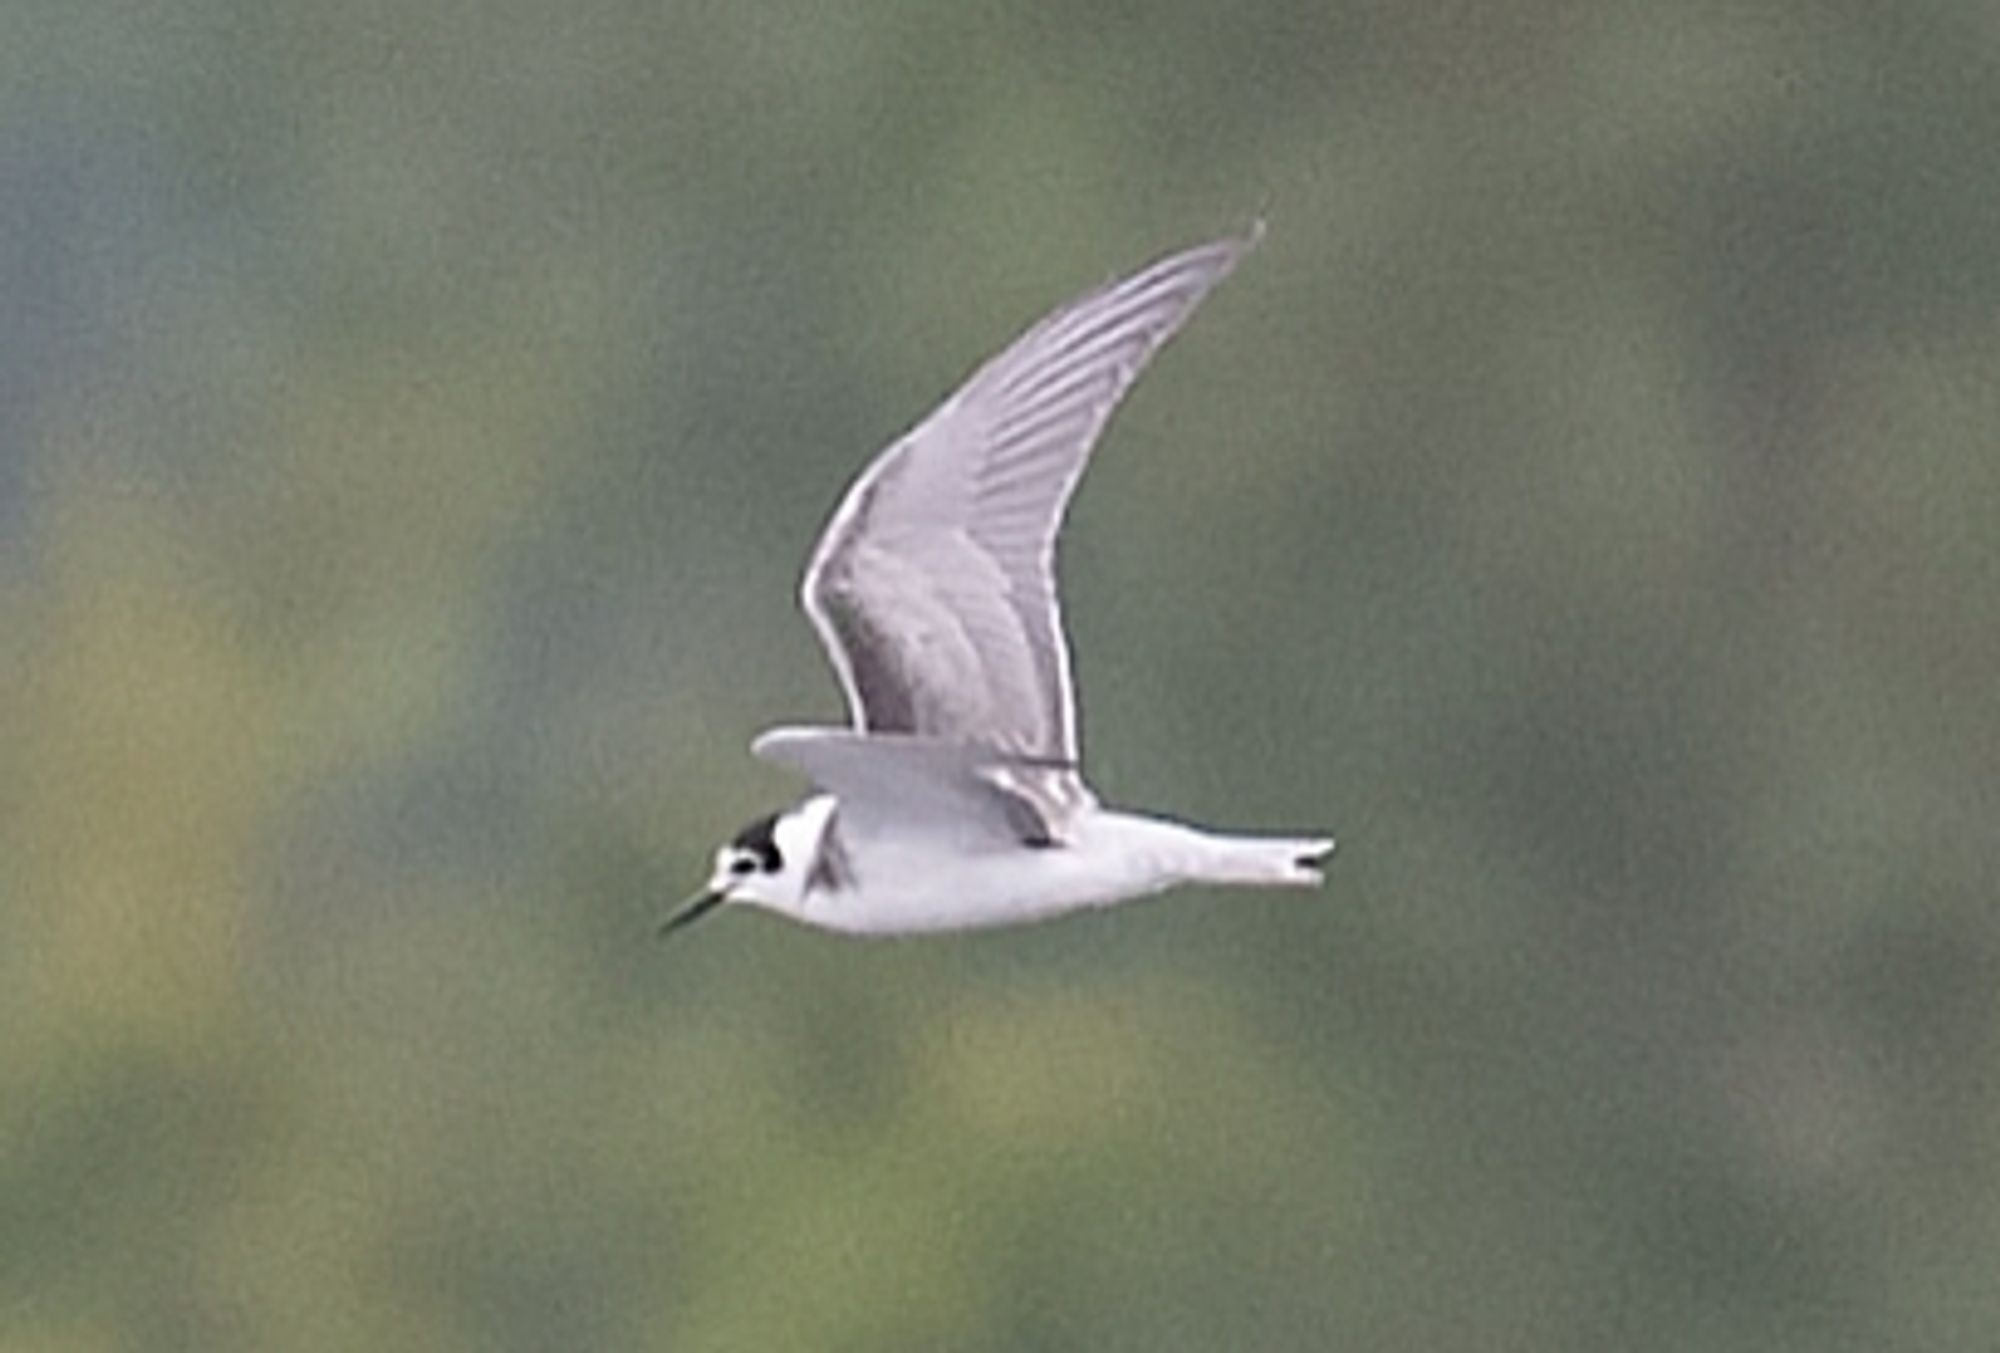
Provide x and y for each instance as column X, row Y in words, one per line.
column 955, row 799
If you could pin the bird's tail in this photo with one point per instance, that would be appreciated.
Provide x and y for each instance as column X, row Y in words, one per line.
column 1265, row 861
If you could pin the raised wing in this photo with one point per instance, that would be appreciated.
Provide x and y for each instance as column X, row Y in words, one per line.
column 898, row 784
column 933, row 587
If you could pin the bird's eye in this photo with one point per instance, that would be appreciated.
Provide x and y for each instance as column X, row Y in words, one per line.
column 740, row 865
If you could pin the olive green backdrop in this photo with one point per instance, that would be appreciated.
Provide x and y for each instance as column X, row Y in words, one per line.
column 413, row 418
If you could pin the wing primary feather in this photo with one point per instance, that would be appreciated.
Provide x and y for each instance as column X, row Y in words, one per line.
column 932, row 586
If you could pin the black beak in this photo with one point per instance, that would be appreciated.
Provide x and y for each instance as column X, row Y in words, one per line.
column 696, row 907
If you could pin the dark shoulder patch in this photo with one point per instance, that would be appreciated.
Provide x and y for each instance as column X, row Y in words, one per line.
column 831, row 869
column 1030, row 828
column 760, row 839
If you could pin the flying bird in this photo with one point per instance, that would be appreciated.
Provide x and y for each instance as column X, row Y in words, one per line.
column 955, row 799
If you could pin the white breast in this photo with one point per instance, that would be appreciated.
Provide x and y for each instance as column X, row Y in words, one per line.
column 916, row 886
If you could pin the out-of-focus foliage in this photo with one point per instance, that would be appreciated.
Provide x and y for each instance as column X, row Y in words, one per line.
column 1587, row 503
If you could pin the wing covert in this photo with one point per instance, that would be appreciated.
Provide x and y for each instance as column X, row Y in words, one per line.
column 903, row 785
column 933, row 586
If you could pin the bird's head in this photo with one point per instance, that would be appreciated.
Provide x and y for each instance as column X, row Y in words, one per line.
column 767, row 864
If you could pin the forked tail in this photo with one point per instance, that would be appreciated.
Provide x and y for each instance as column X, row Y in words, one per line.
column 1266, row 861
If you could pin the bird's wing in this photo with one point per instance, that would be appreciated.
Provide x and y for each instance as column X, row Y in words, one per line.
column 904, row 785
column 933, row 587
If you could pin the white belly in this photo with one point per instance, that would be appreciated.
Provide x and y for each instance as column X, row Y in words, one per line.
column 915, row 886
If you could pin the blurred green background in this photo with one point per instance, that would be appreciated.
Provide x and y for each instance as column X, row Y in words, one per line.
column 413, row 418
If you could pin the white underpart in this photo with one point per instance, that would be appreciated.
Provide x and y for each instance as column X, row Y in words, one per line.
column 918, row 882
